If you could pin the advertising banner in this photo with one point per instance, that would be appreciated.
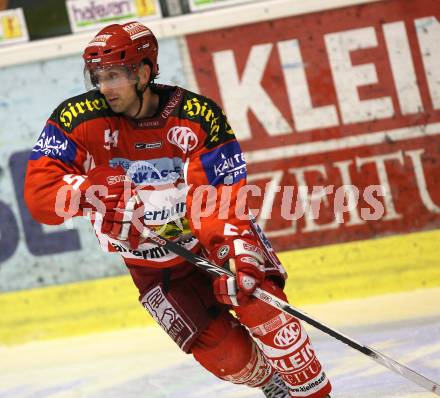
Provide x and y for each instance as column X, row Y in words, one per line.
column 339, row 115
column 172, row 8
column 95, row 14
column 13, row 28
column 201, row 5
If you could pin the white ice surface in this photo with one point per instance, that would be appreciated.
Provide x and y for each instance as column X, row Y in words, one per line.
column 145, row 363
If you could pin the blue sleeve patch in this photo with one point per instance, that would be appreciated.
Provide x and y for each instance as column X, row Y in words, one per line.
column 54, row 144
column 224, row 165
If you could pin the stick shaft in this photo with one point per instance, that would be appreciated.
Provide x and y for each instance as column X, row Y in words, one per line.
column 205, row 265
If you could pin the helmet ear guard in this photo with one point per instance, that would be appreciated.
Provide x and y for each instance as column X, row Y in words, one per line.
column 153, row 75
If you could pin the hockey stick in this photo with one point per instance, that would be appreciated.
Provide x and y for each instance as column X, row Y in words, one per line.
column 205, row 265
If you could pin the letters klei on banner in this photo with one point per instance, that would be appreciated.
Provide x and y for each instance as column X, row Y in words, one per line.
column 348, row 97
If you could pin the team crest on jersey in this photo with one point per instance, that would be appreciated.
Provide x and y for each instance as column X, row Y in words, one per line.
column 182, row 137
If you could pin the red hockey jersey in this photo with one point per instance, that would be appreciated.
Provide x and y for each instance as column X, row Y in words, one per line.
column 186, row 145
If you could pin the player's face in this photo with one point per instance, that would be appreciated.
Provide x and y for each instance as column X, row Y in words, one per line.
column 117, row 85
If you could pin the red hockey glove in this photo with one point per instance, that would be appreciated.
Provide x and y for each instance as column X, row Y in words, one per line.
column 112, row 194
column 246, row 260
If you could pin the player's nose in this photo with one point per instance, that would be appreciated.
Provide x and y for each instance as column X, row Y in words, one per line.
column 104, row 88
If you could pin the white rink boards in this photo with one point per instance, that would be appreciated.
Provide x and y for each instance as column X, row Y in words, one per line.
column 143, row 362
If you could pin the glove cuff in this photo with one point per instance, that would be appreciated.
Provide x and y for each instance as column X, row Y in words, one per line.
column 244, row 247
column 235, row 247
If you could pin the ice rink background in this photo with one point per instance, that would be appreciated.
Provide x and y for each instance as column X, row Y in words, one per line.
column 143, row 362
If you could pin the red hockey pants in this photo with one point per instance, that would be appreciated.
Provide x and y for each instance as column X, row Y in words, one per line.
column 181, row 301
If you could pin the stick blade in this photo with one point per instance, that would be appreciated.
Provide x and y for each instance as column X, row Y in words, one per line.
column 402, row 370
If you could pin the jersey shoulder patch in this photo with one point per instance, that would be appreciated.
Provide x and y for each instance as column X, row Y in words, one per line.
column 76, row 110
column 210, row 116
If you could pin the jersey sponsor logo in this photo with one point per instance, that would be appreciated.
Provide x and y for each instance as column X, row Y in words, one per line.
column 172, row 103
column 116, row 179
column 182, row 137
column 165, row 210
column 288, row 334
column 54, row 144
column 152, row 253
column 148, row 254
column 148, row 145
column 225, row 165
column 166, row 213
column 194, row 108
column 152, row 172
column 213, row 120
column 110, row 139
column 73, row 111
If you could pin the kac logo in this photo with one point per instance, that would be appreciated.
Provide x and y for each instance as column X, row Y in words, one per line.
column 288, row 335
column 183, row 137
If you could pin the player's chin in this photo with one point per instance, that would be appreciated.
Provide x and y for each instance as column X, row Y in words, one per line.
column 116, row 106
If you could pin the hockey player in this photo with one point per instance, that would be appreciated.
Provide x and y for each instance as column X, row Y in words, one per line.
column 169, row 149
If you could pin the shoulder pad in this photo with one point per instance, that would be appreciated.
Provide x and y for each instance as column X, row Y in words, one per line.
column 210, row 116
column 76, row 110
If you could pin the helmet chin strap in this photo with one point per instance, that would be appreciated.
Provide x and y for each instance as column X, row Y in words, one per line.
column 140, row 94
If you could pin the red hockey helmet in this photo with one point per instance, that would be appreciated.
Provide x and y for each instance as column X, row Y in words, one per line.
column 122, row 45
